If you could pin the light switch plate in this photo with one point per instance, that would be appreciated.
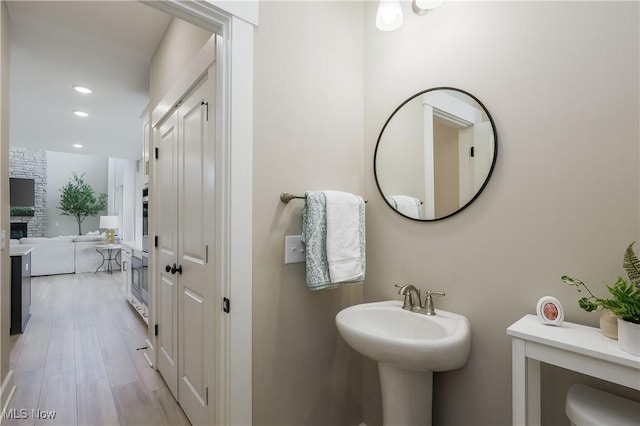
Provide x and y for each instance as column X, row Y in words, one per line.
column 3, row 239
column 293, row 249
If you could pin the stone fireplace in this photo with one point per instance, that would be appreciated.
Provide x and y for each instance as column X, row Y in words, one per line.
column 31, row 164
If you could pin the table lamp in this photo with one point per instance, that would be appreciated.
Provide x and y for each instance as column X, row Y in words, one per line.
column 109, row 224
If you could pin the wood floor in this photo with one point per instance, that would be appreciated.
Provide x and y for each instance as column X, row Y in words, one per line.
column 78, row 358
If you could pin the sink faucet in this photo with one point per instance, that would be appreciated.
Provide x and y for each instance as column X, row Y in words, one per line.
column 411, row 295
column 413, row 302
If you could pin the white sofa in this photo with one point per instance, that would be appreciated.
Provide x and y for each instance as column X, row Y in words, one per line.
column 50, row 256
column 63, row 255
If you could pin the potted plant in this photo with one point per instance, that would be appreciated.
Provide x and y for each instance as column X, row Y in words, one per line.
column 624, row 302
column 77, row 199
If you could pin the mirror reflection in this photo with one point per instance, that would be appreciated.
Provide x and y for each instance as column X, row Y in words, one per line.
column 435, row 154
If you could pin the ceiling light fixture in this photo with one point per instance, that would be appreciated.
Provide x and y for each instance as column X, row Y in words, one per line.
column 77, row 145
column 81, row 114
column 82, row 89
column 389, row 15
column 422, row 7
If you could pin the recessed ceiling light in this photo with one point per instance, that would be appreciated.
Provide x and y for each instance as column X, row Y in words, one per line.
column 81, row 114
column 77, row 145
column 82, row 89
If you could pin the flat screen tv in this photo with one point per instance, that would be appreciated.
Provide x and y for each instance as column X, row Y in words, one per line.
column 21, row 192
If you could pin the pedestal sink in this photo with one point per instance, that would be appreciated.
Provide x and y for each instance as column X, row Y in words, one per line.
column 408, row 347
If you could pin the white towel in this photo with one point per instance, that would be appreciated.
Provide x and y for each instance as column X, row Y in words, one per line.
column 343, row 236
column 314, row 236
column 408, row 206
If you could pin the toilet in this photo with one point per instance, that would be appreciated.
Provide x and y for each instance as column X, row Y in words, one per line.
column 587, row 406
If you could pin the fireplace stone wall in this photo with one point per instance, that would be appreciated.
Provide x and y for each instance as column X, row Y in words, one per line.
column 32, row 164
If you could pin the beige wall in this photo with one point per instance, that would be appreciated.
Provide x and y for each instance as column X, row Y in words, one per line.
column 308, row 131
column 5, row 289
column 180, row 43
column 561, row 81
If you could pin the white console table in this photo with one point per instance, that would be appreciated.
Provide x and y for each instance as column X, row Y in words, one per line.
column 572, row 346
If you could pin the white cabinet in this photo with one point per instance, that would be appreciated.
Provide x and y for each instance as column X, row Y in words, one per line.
column 574, row 347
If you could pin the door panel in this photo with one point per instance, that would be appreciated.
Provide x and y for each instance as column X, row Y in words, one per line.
column 192, row 186
column 166, row 321
column 166, row 197
column 194, row 368
column 195, row 230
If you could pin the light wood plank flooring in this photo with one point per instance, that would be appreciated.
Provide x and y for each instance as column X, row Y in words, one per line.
column 78, row 357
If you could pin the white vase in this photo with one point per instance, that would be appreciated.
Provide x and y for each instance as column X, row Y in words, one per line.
column 629, row 337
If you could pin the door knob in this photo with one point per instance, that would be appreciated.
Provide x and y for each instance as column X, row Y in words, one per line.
column 177, row 269
column 168, row 268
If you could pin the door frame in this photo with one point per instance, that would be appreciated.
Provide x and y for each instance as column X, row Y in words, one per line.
column 234, row 95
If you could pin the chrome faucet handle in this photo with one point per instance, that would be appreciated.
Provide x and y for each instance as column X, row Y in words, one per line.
column 428, row 301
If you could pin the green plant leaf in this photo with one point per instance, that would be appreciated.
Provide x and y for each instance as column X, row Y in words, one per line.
column 77, row 199
column 575, row 283
column 625, row 303
column 587, row 305
column 21, row 210
column 631, row 264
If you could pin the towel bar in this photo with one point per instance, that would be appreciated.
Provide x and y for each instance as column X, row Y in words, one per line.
column 285, row 197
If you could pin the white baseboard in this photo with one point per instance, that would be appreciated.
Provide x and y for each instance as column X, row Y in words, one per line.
column 150, row 346
column 6, row 393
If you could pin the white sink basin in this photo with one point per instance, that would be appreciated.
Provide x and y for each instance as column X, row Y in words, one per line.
column 409, row 347
column 389, row 334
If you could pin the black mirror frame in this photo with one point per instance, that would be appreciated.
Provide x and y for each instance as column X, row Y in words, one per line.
column 484, row 184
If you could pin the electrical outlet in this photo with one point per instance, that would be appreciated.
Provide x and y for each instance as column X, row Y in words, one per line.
column 293, row 249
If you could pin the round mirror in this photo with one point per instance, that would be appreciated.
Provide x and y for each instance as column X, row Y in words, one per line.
column 435, row 154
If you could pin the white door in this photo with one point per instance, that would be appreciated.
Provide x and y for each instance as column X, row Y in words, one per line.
column 195, row 242
column 166, row 194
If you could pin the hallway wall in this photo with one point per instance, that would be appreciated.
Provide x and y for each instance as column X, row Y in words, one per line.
column 180, row 43
column 308, row 135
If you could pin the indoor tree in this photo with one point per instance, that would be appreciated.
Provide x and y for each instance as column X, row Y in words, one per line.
column 77, row 199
